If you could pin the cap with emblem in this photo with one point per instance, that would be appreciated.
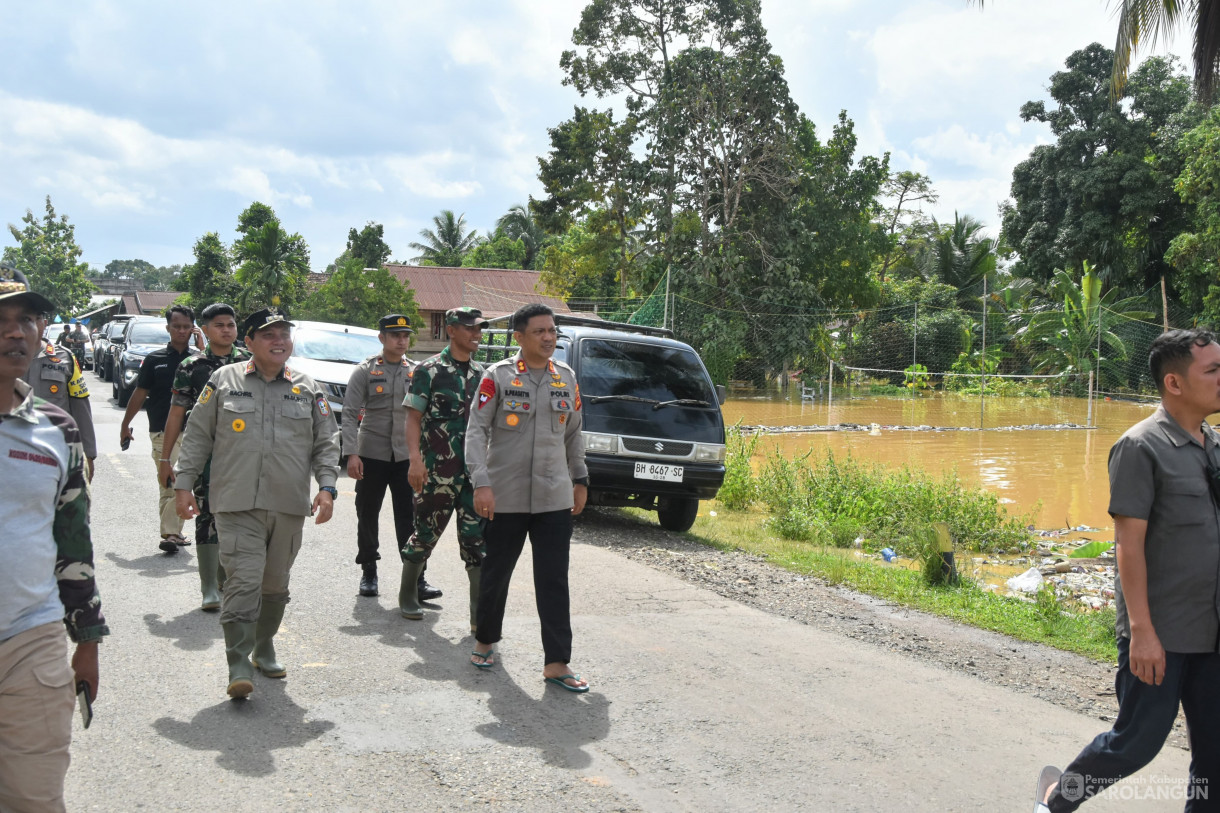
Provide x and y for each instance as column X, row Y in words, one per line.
column 395, row 323
column 14, row 286
column 470, row 317
column 267, row 316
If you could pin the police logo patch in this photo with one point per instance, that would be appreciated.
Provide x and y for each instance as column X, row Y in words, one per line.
column 512, row 404
column 380, row 388
column 563, row 418
column 206, row 395
column 239, row 425
column 516, row 382
column 512, row 420
column 563, row 404
column 323, row 407
column 487, row 391
column 296, row 390
column 249, row 366
column 54, row 388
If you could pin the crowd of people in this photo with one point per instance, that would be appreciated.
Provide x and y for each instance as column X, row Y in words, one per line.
column 237, row 436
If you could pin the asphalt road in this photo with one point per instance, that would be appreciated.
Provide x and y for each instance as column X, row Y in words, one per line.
column 698, row 703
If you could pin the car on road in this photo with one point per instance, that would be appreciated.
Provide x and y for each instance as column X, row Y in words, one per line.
column 103, row 350
column 139, row 337
column 653, row 431
column 327, row 353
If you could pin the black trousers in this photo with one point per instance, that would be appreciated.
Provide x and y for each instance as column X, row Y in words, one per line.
column 1145, row 718
column 550, row 536
column 370, row 493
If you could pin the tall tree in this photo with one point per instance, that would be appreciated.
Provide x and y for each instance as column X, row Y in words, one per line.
column 963, row 258
column 447, row 244
column 369, row 245
column 1100, row 192
column 47, row 253
column 354, row 296
column 497, row 251
column 518, row 223
column 1194, row 252
column 904, row 223
column 210, row 278
column 273, row 265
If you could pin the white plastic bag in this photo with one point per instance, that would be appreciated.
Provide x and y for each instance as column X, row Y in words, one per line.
column 1028, row 582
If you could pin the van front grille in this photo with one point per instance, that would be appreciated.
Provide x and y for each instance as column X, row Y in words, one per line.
column 668, row 448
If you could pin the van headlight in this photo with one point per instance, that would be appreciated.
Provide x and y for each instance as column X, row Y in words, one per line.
column 709, row 452
column 595, row 442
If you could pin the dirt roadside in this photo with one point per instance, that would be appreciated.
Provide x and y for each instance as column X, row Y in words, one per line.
column 1071, row 681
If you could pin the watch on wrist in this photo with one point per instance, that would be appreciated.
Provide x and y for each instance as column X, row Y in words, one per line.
column 581, row 481
column 331, row 490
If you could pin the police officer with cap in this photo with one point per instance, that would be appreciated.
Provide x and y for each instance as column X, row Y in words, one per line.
column 55, row 376
column 265, row 427
column 375, row 442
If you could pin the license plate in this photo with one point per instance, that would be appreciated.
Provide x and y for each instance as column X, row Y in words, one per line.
column 658, row 471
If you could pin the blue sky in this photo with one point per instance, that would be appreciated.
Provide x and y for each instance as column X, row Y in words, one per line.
column 151, row 123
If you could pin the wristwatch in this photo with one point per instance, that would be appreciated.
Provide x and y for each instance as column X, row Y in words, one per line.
column 581, row 481
column 334, row 492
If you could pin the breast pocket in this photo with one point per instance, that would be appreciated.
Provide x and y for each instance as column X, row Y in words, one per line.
column 55, row 379
column 295, row 422
column 237, row 418
column 442, row 407
column 561, row 411
column 514, row 413
column 1186, row 501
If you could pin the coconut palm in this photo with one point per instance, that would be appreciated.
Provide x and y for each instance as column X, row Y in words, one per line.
column 961, row 257
column 273, row 264
column 447, row 245
column 519, row 224
column 1153, row 20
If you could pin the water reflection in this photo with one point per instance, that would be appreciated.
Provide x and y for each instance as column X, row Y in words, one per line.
column 1058, row 476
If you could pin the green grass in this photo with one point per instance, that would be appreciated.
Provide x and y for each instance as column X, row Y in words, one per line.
column 1044, row 621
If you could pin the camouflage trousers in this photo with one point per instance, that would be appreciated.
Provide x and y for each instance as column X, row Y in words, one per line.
column 434, row 505
column 205, row 524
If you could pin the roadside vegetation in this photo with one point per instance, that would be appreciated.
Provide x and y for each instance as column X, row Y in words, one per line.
column 816, row 518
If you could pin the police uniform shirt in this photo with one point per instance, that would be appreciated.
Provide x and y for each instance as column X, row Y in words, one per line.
column 55, row 377
column 157, row 376
column 376, row 425
column 264, row 438
column 524, row 438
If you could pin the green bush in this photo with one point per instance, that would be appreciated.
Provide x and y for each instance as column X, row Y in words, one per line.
column 739, row 489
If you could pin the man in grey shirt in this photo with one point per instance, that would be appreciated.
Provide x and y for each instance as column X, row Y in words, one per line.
column 526, row 458
column 1164, row 485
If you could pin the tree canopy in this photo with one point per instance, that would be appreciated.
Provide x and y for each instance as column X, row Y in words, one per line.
column 47, row 253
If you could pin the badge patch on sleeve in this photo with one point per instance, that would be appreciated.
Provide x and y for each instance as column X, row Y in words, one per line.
column 577, row 395
column 487, row 391
column 206, row 395
column 323, row 407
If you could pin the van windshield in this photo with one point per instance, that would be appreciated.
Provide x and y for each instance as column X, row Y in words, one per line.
column 649, row 371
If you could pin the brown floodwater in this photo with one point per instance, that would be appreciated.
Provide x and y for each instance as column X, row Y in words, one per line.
column 1056, row 476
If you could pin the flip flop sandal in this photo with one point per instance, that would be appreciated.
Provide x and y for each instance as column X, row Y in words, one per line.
column 1049, row 776
column 560, row 681
column 484, row 656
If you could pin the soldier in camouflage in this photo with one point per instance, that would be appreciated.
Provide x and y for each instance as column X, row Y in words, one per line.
column 219, row 324
column 437, row 407
column 46, row 569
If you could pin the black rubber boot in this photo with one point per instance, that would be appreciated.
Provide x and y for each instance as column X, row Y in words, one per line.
column 408, row 591
column 239, row 642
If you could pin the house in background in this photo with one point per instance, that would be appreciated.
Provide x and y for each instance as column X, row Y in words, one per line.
column 147, row 303
column 495, row 291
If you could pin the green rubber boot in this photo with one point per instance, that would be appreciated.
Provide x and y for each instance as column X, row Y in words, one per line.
column 209, row 576
column 264, row 660
column 408, row 591
column 474, row 573
column 239, row 641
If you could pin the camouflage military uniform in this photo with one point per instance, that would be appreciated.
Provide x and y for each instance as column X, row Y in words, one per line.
column 442, row 390
column 189, row 380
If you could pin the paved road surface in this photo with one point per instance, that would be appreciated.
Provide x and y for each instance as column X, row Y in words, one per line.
column 698, row 703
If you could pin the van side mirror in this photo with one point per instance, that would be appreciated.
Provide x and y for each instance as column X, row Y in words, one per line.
column 721, row 394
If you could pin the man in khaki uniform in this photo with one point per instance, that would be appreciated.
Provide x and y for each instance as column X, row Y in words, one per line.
column 375, row 442
column 526, row 458
column 265, row 428
column 56, row 377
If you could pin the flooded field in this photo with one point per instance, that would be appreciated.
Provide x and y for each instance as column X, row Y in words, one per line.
column 1057, row 475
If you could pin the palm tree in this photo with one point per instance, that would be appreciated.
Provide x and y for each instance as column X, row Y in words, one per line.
column 519, row 224
column 273, row 264
column 448, row 243
column 961, row 257
column 1155, row 19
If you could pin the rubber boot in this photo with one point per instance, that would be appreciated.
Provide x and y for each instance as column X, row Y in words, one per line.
column 264, row 660
column 209, row 576
column 239, row 641
column 408, row 591
column 474, row 573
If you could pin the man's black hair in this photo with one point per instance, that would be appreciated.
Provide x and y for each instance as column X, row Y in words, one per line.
column 527, row 312
column 185, row 310
column 216, row 309
column 1172, row 352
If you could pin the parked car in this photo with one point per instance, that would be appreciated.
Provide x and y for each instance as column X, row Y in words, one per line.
column 327, row 352
column 139, row 337
column 103, row 352
column 52, row 334
column 654, row 435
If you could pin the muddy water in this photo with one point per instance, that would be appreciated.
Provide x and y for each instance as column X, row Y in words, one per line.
column 1056, row 476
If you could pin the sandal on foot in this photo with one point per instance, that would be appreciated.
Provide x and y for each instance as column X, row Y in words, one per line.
column 486, row 656
column 562, row 682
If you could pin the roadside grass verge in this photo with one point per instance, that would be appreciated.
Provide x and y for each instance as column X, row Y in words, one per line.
column 1042, row 621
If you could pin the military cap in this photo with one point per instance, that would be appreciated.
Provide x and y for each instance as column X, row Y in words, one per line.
column 14, row 285
column 267, row 316
column 395, row 323
column 471, row 317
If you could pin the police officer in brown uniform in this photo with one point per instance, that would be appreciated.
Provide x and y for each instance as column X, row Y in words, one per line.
column 526, row 458
column 375, row 442
column 265, row 428
column 55, row 376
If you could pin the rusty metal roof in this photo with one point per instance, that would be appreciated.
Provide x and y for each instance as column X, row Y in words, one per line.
column 495, row 291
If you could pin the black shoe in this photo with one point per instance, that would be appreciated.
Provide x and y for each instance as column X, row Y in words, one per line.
column 368, row 586
column 427, row 592
column 168, row 545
